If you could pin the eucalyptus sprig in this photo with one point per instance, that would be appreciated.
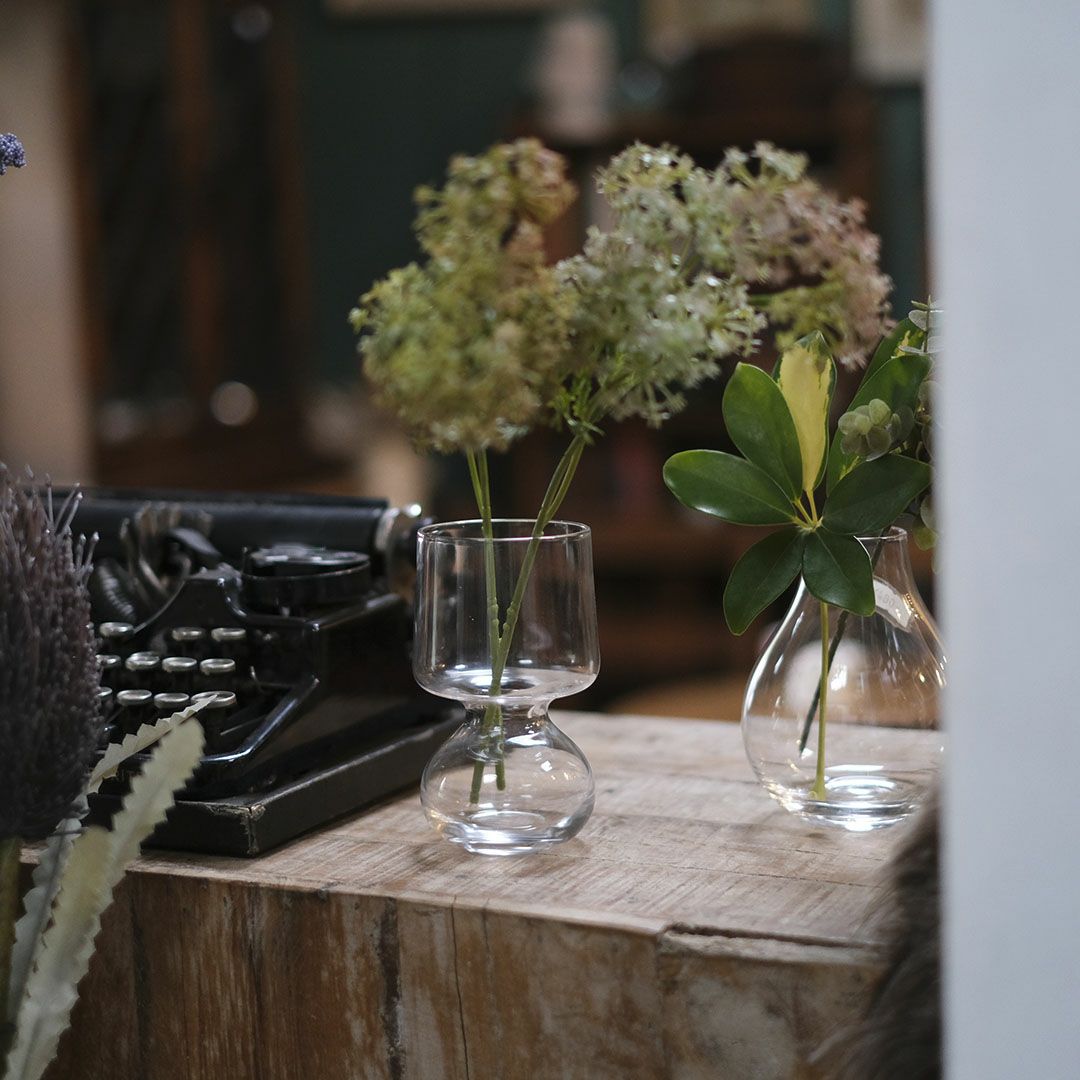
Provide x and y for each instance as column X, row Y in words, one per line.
column 873, row 469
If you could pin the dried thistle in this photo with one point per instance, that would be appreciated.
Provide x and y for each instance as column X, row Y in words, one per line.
column 11, row 153
column 50, row 719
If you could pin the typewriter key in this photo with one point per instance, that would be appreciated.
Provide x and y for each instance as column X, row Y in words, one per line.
column 136, row 708
column 110, row 667
column 145, row 654
column 230, row 642
column 167, row 704
column 188, row 641
column 140, row 669
column 216, row 699
column 179, row 672
column 217, row 673
column 215, row 714
column 115, row 631
column 108, row 708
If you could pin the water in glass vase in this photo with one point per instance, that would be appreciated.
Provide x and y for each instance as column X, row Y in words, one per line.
column 514, row 785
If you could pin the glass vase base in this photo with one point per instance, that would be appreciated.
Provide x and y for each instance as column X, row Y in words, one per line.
column 491, row 831
column 857, row 803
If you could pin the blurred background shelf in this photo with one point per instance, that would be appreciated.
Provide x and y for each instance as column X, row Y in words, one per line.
column 212, row 183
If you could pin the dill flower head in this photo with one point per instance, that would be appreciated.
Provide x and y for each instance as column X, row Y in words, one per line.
column 11, row 153
column 485, row 340
column 699, row 262
column 652, row 316
column 49, row 714
column 765, row 221
column 467, row 349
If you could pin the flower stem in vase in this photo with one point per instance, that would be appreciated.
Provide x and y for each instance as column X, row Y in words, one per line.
column 841, row 626
column 502, row 637
column 818, row 790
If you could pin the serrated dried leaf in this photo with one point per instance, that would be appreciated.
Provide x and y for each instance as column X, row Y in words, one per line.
column 95, row 866
column 148, row 734
column 37, row 904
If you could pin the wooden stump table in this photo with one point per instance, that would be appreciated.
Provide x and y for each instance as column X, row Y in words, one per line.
column 693, row 930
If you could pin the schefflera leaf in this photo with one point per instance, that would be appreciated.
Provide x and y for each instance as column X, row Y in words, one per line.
column 806, row 376
column 761, row 575
column 874, row 494
column 727, row 487
column 760, row 425
column 837, row 569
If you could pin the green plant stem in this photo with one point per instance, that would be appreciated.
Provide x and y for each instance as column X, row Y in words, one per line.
column 841, row 626
column 481, row 481
column 557, row 488
column 9, row 910
column 818, row 790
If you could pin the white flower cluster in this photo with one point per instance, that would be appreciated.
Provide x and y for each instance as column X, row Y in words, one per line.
column 486, row 340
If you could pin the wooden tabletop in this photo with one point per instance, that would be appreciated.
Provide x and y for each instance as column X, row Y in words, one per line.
column 682, row 834
column 692, row 929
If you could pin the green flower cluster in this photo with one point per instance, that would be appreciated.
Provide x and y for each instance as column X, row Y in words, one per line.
column 699, row 262
column 652, row 317
column 468, row 349
column 485, row 340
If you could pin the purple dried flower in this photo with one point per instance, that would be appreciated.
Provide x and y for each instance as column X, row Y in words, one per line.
column 11, row 153
column 50, row 720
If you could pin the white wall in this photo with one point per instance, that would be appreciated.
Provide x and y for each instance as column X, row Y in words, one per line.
column 44, row 406
column 1005, row 183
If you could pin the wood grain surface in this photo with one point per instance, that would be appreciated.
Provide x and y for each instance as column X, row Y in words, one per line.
column 693, row 930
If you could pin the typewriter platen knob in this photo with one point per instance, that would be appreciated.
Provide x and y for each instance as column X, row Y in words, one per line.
column 295, row 576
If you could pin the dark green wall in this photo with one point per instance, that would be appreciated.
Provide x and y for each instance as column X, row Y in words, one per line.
column 384, row 104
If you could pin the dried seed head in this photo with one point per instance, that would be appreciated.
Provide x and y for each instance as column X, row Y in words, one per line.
column 11, row 153
column 50, row 718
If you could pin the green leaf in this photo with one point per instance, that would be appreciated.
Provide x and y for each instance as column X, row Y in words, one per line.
column 905, row 332
column 873, row 495
column 806, row 376
column 837, row 569
column 728, row 487
column 760, row 425
column 896, row 383
column 761, row 575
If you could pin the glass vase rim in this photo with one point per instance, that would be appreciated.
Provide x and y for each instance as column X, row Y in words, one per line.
column 439, row 532
column 893, row 534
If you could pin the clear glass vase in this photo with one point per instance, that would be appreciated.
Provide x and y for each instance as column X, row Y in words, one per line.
column 879, row 750
column 505, row 626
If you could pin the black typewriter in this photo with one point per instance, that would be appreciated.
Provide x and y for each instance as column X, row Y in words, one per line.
column 291, row 616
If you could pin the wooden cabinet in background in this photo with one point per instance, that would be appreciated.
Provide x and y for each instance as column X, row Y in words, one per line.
column 191, row 218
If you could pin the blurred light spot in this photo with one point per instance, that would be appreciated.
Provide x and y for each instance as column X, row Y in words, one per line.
column 234, row 404
column 120, row 420
column 252, row 22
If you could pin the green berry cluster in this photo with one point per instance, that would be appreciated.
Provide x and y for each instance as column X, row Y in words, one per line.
column 872, row 430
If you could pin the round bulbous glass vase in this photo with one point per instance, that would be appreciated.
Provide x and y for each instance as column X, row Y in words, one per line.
column 506, row 625
column 879, row 750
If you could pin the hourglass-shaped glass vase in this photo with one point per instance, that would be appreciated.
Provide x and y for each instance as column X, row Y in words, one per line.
column 878, row 752
column 505, row 625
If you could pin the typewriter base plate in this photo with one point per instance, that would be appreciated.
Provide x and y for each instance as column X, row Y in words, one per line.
column 250, row 824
